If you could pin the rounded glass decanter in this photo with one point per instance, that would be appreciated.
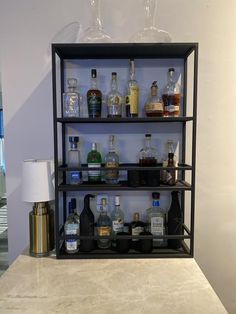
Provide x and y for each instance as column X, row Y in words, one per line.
column 150, row 33
column 95, row 33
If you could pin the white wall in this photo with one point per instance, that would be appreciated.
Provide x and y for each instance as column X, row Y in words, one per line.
column 26, row 29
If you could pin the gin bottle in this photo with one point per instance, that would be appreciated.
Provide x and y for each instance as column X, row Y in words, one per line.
column 71, row 228
column 94, row 160
column 71, row 100
column 104, row 227
column 112, row 161
column 114, row 99
column 94, row 97
column 74, row 177
column 132, row 98
column 117, row 218
column 156, row 220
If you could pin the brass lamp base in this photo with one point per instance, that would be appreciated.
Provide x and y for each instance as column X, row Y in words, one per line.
column 41, row 235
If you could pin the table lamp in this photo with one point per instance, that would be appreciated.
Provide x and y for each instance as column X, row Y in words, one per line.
column 37, row 188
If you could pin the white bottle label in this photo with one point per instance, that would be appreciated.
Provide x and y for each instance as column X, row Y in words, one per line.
column 94, row 173
column 157, row 225
column 136, row 231
column 71, row 245
column 117, row 225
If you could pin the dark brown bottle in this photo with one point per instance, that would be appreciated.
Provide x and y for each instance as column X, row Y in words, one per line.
column 94, row 97
column 136, row 227
column 175, row 221
column 87, row 225
column 170, row 173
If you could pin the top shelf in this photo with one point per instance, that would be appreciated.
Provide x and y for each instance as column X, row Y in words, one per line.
column 124, row 51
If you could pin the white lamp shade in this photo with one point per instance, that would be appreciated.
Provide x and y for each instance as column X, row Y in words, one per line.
column 37, row 183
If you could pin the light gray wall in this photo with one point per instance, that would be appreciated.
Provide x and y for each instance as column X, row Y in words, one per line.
column 26, row 29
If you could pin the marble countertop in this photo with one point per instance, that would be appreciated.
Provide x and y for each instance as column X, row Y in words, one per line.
column 47, row 285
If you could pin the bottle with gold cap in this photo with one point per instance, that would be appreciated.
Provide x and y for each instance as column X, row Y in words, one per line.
column 154, row 106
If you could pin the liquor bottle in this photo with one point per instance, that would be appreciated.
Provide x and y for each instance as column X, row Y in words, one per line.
column 117, row 218
column 87, row 225
column 94, row 97
column 74, row 177
column 112, row 161
column 148, row 158
column 104, row 227
column 132, row 98
column 94, row 160
column 154, row 106
column 137, row 227
column 114, row 99
column 156, row 220
column 175, row 221
column 171, row 96
column 74, row 209
column 71, row 105
column 71, row 228
column 170, row 173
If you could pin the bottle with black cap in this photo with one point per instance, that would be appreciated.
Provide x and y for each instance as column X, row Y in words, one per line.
column 87, row 225
column 94, row 97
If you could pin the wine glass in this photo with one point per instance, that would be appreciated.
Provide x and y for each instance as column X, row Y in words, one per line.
column 95, row 33
column 150, row 33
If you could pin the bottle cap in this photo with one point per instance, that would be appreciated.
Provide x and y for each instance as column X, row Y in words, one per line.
column 136, row 216
column 93, row 73
column 156, row 195
column 117, row 200
column 171, row 70
column 113, row 74
column 170, row 155
column 73, row 203
column 73, row 139
column 94, row 146
column 148, row 135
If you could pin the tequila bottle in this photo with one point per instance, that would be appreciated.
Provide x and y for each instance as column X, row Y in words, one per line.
column 94, row 97
column 104, row 227
column 112, row 161
column 117, row 218
column 114, row 99
column 156, row 220
column 71, row 228
column 71, row 100
column 74, row 177
column 94, row 160
column 132, row 98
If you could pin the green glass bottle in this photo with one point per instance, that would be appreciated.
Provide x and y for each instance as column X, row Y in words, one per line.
column 94, row 160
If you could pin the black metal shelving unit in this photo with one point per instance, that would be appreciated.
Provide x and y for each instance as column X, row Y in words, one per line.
column 182, row 51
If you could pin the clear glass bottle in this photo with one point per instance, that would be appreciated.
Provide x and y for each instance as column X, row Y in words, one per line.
column 148, row 158
column 74, row 177
column 71, row 228
column 94, row 160
column 117, row 218
column 156, row 220
column 114, row 99
column 104, row 227
column 154, row 106
column 132, row 98
column 71, row 100
column 171, row 96
column 112, row 160
column 94, row 97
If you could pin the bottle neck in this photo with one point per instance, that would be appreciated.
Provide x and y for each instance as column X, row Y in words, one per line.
column 131, row 70
column 93, row 83
column 147, row 142
column 95, row 14
column 150, row 11
column 114, row 86
column 171, row 77
column 71, row 89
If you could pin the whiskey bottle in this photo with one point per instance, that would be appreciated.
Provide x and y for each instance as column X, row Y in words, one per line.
column 175, row 221
column 71, row 100
column 137, row 227
column 104, row 227
column 87, row 225
column 171, row 96
column 74, row 177
column 94, row 97
column 117, row 218
column 71, row 228
column 112, row 161
column 154, row 106
column 156, row 221
column 94, row 160
column 114, row 99
column 132, row 98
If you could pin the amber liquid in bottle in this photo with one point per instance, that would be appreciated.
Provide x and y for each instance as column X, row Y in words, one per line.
column 171, row 101
column 94, row 97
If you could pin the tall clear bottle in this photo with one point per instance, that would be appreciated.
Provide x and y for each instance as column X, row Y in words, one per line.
column 114, row 99
column 71, row 105
column 117, row 218
column 171, row 96
column 104, row 227
column 156, row 220
column 74, row 177
column 132, row 98
column 94, row 97
column 71, row 228
column 112, row 161
column 94, row 160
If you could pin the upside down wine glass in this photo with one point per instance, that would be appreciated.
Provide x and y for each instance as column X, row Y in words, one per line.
column 150, row 33
column 95, row 33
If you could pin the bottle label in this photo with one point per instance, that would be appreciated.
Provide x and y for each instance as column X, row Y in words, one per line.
column 154, row 107
column 104, row 231
column 71, row 245
column 94, row 104
column 133, row 99
column 136, row 231
column 157, row 225
column 75, row 177
column 94, row 174
column 111, row 174
column 118, row 225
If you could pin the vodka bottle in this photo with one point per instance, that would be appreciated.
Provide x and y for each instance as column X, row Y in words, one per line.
column 74, row 177
column 71, row 104
column 71, row 228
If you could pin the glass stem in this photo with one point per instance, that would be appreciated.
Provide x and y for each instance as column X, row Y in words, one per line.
column 96, row 15
column 150, row 10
